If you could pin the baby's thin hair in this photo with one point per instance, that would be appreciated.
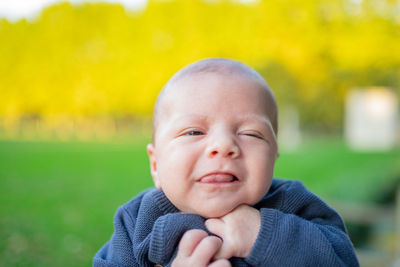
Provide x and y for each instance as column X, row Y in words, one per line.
column 216, row 65
column 221, row 66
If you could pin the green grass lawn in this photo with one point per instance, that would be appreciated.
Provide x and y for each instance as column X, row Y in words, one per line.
column 334, row 171
column 57, row 199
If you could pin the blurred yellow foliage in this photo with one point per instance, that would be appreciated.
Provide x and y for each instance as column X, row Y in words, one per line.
column 99, row 61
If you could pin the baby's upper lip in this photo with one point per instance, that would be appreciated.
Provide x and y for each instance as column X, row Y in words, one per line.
column 218, row 176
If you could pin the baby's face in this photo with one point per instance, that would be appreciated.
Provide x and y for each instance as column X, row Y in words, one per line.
column 214, row 146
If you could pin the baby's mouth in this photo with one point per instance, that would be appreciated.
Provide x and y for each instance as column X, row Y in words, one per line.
column 218, row 178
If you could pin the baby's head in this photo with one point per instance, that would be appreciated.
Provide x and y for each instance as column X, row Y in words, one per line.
column 214, row 138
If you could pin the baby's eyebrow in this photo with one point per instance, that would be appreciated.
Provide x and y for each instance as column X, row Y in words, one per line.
column 254, row 118
column 257, row 119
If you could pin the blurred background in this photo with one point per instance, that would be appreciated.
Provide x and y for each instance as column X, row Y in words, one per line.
column 78, row 81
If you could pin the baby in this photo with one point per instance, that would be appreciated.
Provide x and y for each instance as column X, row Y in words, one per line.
column 216, row 202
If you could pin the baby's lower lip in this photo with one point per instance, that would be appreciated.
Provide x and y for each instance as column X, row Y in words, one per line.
column 218, row 178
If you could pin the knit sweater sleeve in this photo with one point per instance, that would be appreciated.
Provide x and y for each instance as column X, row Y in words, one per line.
column 299, row 229
column 167, row 232
column 147, row 231
column 118, row 252
column 133, row 222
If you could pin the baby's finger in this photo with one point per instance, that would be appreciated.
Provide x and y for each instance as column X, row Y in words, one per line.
column 215, row 226
column 220, row 263
column 190, row 240
column 223, row 253
column 206, row 249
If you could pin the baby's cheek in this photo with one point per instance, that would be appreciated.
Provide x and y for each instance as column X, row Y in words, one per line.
column 260, row 189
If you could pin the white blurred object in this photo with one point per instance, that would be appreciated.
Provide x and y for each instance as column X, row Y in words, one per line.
column 371, row 119
column 289, row 134
column 17, row 9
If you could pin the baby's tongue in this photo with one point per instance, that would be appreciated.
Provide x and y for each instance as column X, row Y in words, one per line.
column 217, row 178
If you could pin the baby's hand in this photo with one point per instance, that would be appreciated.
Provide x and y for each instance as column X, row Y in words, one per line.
column 238, row 230
column 197, row 249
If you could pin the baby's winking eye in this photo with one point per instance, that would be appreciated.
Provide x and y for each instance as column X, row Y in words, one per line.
column 253, row 134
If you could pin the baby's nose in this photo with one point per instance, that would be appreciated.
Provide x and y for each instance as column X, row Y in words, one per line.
column 223, row 148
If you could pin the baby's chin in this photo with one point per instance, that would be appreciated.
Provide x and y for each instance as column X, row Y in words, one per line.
column 212, row 212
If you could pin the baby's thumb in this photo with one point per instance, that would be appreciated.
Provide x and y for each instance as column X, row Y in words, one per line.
column 215, row 226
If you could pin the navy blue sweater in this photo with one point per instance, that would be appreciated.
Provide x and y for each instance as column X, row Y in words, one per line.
column 297, row 229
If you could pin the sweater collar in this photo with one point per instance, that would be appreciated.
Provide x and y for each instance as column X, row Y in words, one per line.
column 163, row 202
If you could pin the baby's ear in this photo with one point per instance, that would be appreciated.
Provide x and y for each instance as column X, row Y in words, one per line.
column 153, row 165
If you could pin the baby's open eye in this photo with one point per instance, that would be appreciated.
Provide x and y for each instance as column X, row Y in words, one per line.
column 194, row 133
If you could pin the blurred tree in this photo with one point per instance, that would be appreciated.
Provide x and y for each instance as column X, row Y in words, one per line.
column 99, row 60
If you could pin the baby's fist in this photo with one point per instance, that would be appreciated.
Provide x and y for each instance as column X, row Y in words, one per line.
column 238, row 230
